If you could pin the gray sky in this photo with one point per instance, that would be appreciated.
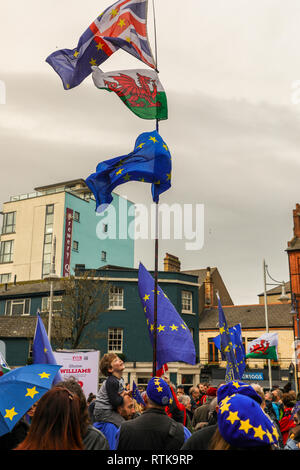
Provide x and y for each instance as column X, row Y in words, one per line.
column 227, row 68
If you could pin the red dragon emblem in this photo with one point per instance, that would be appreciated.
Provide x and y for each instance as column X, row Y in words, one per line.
column 141, row 94
column 260, row 347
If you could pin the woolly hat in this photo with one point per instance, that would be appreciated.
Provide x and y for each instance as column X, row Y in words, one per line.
column 159, row 391
column 241, row 420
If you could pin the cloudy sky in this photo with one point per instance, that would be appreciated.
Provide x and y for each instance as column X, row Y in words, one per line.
column 228, row 68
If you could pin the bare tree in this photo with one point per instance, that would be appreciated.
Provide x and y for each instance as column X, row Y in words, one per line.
column 84, row 299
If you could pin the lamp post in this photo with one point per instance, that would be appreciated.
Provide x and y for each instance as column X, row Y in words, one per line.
column 295, row 312
column 51, row 278
column 282, row 298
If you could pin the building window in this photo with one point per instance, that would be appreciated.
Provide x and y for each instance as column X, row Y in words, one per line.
column 9, row 222
column 49, row 218
column 6, row 251
column 103, row 255
column 56, row 306
column 5, row 278
column 105, row 228
column 76, row 216
column 187, row 301
column 213, row 352
column 116, row 297
column 115, row 340
column 75, row 245
column 17, row 307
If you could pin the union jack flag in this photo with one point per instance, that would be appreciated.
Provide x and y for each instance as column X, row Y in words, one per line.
column 123, row 25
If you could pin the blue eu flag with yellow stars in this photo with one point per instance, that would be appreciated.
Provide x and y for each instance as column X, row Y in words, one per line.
column 41, row 347
column 150, row 162
column 237, row 341
column 226, row 347
column 136, row 394
column 174, row 339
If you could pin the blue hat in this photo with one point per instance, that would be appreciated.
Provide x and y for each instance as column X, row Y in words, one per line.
column 241, row 420
column 159, row 391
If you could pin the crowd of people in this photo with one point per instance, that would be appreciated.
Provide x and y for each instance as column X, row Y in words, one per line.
column 164, row 417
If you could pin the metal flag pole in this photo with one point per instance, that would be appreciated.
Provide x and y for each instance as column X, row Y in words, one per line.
column 267, row 323
column 154, row 366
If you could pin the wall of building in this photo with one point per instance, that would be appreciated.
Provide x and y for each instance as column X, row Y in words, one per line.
column 29, row 235
column 86, row 232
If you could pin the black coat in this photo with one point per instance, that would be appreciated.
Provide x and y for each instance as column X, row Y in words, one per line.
column 153, row 430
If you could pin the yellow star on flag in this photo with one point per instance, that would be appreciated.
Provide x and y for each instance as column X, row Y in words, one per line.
column 119, row 172
column 174, row 327
column 168, row 176
column 93, row 61
column 76, row 53
column 45, row 350
column 236, row 384
column 225, row 407
column 141, row 145
column 157, row 182
column 146, row 297
column 44, row 375
column 126, row 177
column 183, row 326
column 161, row 328
column 275, row 432
column 165, row 147
column 270, row 437
column 159, row 389
column 245, row 426
column 31, row 392
column 259, row 432
column 114, row 12
column 152, row 327
column 142, row 180
column 153, row 139
column 10, row 413
column 99, row 46
column 128, row 39
column 121, row 23
column 222, row 330
column 233, row 416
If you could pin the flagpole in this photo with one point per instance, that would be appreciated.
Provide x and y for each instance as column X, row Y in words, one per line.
column 267, row 323
column 154, row 365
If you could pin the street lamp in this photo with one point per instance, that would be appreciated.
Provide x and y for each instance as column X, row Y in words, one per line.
column 52, row 277
column 282, row 298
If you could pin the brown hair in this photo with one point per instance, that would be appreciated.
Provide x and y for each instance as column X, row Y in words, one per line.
column 106, row 361
column 73, row 386
column 56, row 423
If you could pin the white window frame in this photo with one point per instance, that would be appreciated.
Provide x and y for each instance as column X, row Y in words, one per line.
column 45, row 303
column 186, row 301
column 9, row 228
column 116, row 298
column 14, row 302
column 3, row 280
column 10, row 253
column 112, row 343
column 103, row 255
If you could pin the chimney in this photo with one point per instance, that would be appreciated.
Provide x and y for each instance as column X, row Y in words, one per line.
column 296, row 217
column 208, row 289
column 171, row 263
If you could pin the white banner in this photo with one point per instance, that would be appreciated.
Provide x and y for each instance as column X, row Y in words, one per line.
column 84, row 366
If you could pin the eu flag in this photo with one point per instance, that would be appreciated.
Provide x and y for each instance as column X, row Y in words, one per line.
column 227, row 350
column 136, row 394
column 174, row 340
column 41, row 348
column 237, row 341
column 150, row 162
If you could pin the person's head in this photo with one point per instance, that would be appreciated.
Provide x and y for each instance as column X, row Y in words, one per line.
column 260, row 391
column 180, row 390
column 185, row 400
column 242, row 423
column 268, row 395
column 277, row 395
column 194, row 392
column 158, row 393
column 127, row 409
column 110, row 364
column 73, row 386
column 287, row 400
column 201, row 388
column 31, row 410
column 56, row 423
column 91, row 398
